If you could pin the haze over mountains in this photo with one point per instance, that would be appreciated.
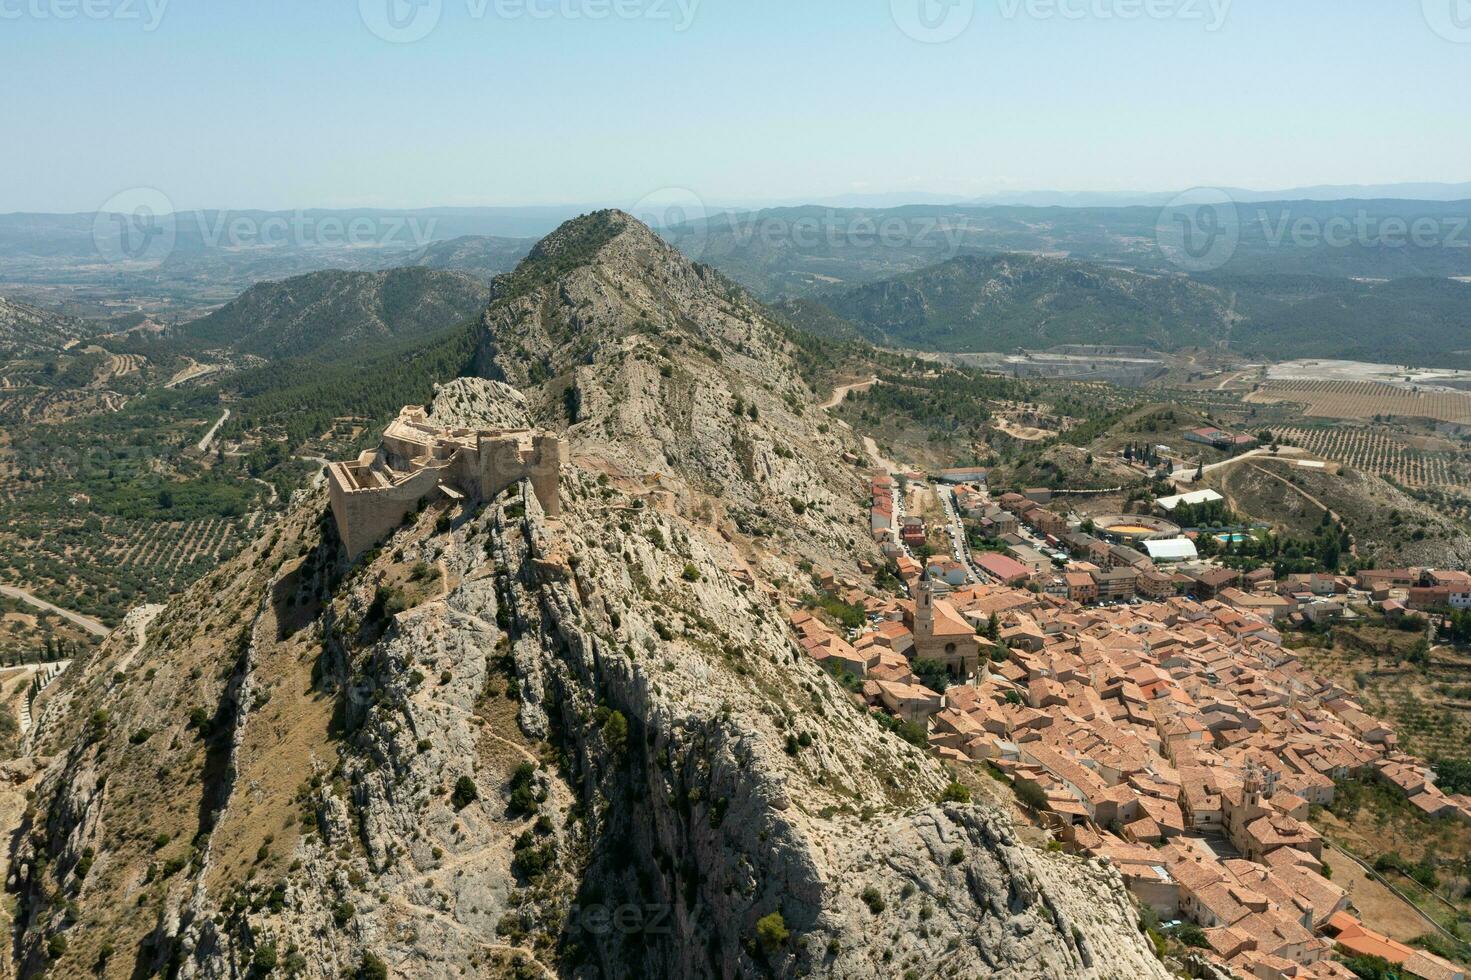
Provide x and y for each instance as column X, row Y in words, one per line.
column 1298, row 276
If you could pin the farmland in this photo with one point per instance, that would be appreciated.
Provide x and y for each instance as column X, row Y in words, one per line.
column 1429, row 704
column 1382, row 453
column 102, row 566
column 1366, row 400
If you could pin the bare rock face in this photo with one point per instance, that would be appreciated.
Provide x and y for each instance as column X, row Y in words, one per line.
column 475, row 403
column 509, row 745
column 669, row 378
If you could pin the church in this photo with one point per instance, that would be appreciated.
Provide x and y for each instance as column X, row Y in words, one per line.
column 942, row 634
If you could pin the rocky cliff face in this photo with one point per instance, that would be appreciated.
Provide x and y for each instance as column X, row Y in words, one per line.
column 509, row 745
column 667, row 376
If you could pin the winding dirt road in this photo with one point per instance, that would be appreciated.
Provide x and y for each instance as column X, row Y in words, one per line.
column 842, row 391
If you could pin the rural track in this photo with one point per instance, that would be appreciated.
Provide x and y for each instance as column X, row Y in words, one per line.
column 140, row 635
column 519, row 953
column 87, row 623
column 1187, row 474
column 843, row 391
column 1353, row 548
column 209, row 436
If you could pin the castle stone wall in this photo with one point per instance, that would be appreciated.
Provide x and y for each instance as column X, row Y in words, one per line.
column 416, row 460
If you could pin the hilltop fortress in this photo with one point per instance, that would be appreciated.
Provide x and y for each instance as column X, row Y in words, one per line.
column 418, row 460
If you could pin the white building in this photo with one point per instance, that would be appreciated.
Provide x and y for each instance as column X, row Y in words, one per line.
column 1171, row 550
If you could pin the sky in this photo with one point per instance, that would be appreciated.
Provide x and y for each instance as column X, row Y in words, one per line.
column 283, row 104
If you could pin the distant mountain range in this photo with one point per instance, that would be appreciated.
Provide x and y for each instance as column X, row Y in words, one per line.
column 1004, row 302
column 794, row 252
column 1007, row 302
column 487, row 256
column 1424, row 191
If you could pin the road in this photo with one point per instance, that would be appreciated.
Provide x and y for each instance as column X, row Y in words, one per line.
column 77, row 619
column 872, row 448
column 959, row 546
column 1187, row 474
column 842, row 391
column 321, row 474
column 191, row 373
column 209, row 436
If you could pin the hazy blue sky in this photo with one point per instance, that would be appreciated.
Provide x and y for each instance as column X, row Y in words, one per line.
column 297, row 103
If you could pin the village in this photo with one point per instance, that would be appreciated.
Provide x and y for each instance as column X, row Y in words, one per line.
column 1139, row 699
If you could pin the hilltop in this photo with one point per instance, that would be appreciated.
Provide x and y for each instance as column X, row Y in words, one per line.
column 665, row 372
column 336, row 312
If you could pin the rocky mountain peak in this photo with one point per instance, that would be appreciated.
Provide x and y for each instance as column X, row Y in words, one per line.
column 665, row 374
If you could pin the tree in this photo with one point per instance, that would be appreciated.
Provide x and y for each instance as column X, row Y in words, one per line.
column 932, row 674
column 615, row 732
column 1030, row 794
column 465, row 793
column 955, row 793
column 372, row 968
column 772, row 932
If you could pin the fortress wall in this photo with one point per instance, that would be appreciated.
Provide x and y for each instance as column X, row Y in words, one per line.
column 366, row 516
column 482, row 472
column 505, row 460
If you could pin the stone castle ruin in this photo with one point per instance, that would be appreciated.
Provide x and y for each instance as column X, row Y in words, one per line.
column 418, row 460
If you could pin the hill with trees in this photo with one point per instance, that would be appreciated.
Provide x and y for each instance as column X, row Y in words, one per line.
column 334, row 313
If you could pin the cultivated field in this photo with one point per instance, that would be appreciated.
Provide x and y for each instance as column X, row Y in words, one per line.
column 104, row 566
column 1429, row 706
column 1366, row 400
column 1381, row 453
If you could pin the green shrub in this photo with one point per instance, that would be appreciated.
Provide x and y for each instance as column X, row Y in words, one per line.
column 955, row 793
column 771, row 931
column 523, row 797
column 372, row 968
column 465, row 793
column 615, row 732
column 264, row 960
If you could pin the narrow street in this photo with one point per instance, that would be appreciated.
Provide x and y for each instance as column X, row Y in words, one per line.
column 960, row 547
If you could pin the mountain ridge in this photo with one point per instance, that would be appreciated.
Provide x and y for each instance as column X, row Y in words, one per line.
column 325, row 312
